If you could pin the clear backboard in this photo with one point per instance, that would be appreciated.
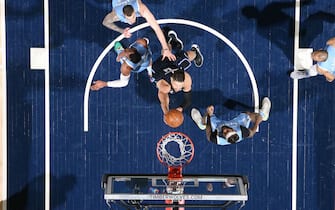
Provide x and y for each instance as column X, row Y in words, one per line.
column 191, row 191
column 174, row 191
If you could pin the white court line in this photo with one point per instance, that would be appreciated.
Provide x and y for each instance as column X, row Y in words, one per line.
column 172, row 21
column 47, row 107
column 3, row 111
column 39, row 60
column 295, row 109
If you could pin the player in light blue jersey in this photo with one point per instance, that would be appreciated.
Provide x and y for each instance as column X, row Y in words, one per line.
column 225, row 132
column 127, row 11
column 136, row 58
column 325, row 64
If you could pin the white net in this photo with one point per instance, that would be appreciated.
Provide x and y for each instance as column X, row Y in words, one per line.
column 184, row 146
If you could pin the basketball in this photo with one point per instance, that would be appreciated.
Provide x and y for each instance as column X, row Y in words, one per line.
column 174, row 118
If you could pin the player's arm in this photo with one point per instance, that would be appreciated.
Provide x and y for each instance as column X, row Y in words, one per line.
column 124, row 77
column 98, row 84
column 149, row 17
column 331, row 42
column 109, row 22
column 187, row 93
column 163, row 95
column 122, row 82
column 254, row 128
column 211, row 136
column 329, row 76
column 120, row 55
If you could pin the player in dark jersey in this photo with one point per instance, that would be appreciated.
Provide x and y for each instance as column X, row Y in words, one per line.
column 171, row 76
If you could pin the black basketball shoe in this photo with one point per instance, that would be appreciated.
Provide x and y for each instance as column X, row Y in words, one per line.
column 199, row 59
column 174, row 41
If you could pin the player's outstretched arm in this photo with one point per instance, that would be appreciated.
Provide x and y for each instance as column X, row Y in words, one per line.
column 145, row 13
column 109, row 22
column 163, row 95
column 122, row 82
column 97, row 85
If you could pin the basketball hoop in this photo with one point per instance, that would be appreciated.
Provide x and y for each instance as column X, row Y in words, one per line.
column 175, row 150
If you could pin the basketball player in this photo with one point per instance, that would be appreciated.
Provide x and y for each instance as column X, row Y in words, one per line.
column 126, row 11
column 136, row 58
column 171, row 76
column 224, row 132
column 325, row 64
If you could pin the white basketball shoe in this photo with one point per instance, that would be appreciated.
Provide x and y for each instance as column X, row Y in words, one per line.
column 197, row 118
column 265, row 110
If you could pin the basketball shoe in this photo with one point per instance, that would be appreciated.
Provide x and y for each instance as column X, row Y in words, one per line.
column 299, row 74
column 199, row 59
column 265, row 110
column 118, row 47
column 196, row 116
column 147, row 40
column 174, row 41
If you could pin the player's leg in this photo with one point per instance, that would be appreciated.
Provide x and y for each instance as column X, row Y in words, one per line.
column 174, row 41
column 195, row 55
column 198, row 119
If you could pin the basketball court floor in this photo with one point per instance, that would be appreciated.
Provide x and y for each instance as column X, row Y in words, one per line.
column 61, row 137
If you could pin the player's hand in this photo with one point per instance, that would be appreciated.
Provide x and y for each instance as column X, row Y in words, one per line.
column 330, row 79
column 126, row 32
column 118, row 58
column 179, row 109
column 97, row 85
column 168, row 54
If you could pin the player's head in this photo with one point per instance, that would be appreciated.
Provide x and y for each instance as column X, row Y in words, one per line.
column 129, row 14
column 134, row 56
column 320, row 55
column 177, row 80
column 178, row 76
column 229, row 134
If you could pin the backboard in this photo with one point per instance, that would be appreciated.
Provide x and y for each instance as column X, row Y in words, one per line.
column 158, row 191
